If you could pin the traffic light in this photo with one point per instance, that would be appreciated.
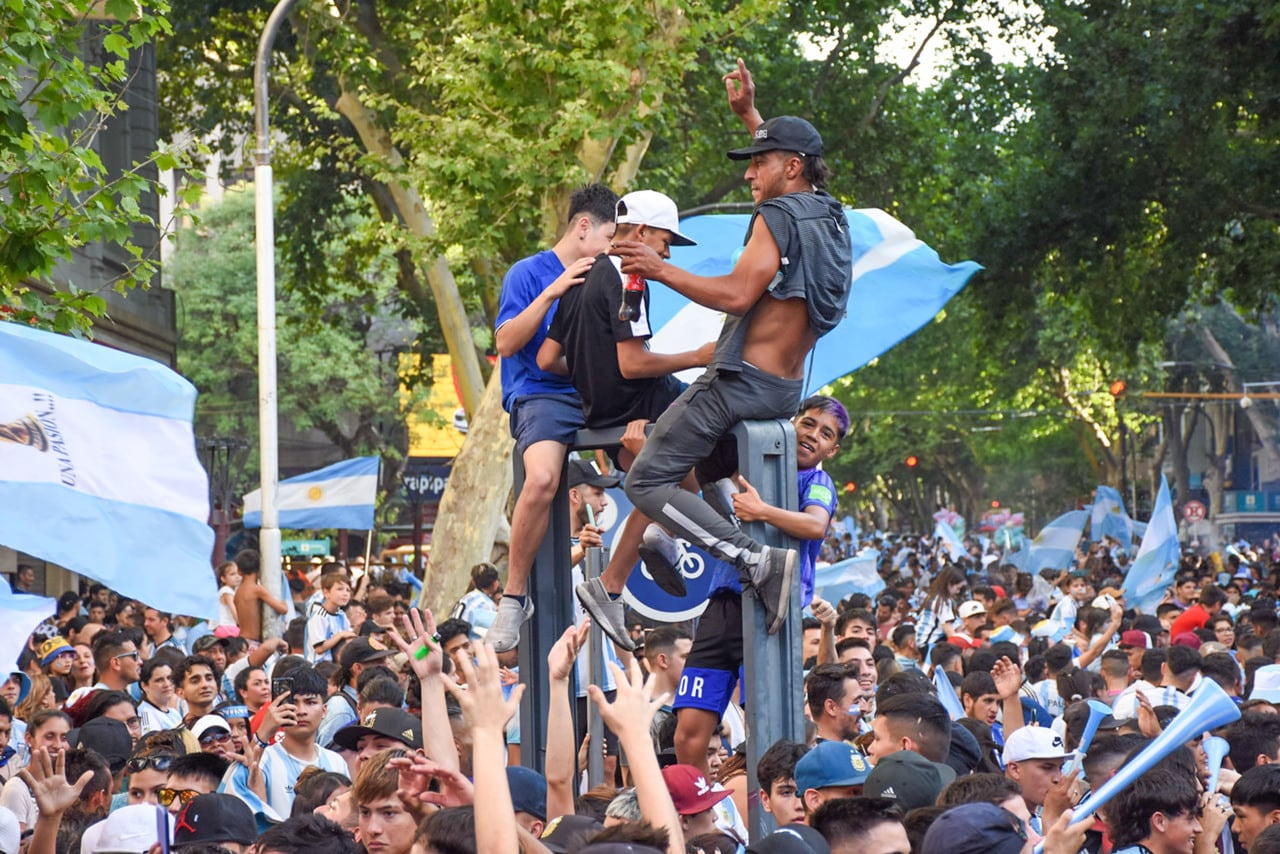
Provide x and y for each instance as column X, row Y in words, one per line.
column 1117, row 388
column 851, row 487
column 912, row 461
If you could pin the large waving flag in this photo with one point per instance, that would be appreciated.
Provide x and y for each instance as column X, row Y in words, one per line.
column 1154, row 568
column 855, row 575
column 337, row 496
column 1055, row 546
column 899, row 284
column 945, row 535
column 98, row 469
column 1108, row 517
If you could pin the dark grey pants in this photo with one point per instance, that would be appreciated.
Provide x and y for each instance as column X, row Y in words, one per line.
column 685, row 435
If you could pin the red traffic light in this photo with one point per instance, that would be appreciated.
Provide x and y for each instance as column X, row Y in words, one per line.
column 994, row 503
column 850, row 487
column 912, row 461
column 1117, row 388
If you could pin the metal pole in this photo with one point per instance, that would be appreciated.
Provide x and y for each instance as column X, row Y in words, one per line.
column 269, row 539
column 594, row 565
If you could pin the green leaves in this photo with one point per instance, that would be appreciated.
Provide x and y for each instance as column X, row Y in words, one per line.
column 60, row 195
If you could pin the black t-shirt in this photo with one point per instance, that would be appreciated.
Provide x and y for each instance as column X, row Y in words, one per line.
column 586, row 325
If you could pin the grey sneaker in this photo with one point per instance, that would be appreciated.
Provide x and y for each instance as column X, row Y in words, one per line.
column 605, row 611
column 662, row 555
column 772, row 577
column 504, row 632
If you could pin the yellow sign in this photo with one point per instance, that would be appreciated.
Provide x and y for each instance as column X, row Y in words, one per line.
column 431, row 423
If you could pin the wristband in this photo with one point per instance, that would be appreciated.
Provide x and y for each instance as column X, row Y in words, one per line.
column 261, row 743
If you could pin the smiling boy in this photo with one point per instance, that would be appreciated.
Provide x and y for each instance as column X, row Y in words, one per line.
column 712, row 667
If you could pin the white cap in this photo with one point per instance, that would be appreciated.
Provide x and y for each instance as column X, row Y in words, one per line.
column 128, row 830
column 209, row 722
column 1266, row 684
column 10, row 835
column 1105, row 601
column 972, row 608
column 654, row 209
column 1034, row 742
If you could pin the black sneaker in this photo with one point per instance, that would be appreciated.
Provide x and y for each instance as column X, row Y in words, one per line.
column 666, row 576
column 772, row 577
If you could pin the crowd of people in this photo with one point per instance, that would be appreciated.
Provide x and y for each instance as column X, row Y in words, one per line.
column 968, row 708
column 382, row 736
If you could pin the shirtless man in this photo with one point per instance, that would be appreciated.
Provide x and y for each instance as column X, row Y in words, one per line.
column 250, row 596
column 789, row 287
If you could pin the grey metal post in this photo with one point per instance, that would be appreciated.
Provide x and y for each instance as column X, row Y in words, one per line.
column 774, row 687
column 550, row 592
column 595, row 563
column 552, row 598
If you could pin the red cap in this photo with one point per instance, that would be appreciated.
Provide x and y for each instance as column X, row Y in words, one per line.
column 690, row 790
column 1135, row 639
column 1190, row 639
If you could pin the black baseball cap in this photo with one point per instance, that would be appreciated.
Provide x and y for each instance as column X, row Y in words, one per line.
column 581, row 471
column 215, row 818
column 386, row 721
column 782, row 133
column 361, row 651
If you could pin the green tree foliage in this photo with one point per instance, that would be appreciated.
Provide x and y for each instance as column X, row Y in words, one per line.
column 330, row 375
column 58, row 194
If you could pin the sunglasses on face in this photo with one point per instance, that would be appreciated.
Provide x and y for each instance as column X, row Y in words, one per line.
column 184, row 796
column 214, row 738
column 159, row 763
column 133, row 654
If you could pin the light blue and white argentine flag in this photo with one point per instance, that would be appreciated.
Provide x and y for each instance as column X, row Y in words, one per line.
column 946, row 537
column 854, row 575
column 899, row 285
column 98, row 469
column 337, row 496
column 1055, row 546
column 20, row 613
column 1154, row 568
column 947, row 694
column 1108, row 517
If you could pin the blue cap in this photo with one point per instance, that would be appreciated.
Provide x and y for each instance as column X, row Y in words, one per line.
column 974, row 829
column 528, row 791
column 831, row 763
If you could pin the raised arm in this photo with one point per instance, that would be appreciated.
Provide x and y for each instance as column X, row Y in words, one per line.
column 1098, row 646
column 741, row 91
column 629, row 715
column 53, row 794
column 426, row 656
column 561, row 762
column 487, row 714
column 1008, row 678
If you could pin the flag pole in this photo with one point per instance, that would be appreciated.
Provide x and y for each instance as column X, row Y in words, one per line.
column 272, row 574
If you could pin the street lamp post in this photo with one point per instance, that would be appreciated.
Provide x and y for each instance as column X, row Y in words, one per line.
column 272, row 574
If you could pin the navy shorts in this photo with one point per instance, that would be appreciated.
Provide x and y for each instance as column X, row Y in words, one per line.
column 714, row 665
column 545, row 418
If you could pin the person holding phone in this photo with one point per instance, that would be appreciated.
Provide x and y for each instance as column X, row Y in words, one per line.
column 265, row 780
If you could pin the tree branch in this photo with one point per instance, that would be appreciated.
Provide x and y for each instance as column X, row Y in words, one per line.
column 883, row 91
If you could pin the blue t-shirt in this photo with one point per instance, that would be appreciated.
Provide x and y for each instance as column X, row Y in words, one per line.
column 816, row 490
column 524, row 283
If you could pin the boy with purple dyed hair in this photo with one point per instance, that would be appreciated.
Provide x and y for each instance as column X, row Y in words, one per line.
column 711, row 670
